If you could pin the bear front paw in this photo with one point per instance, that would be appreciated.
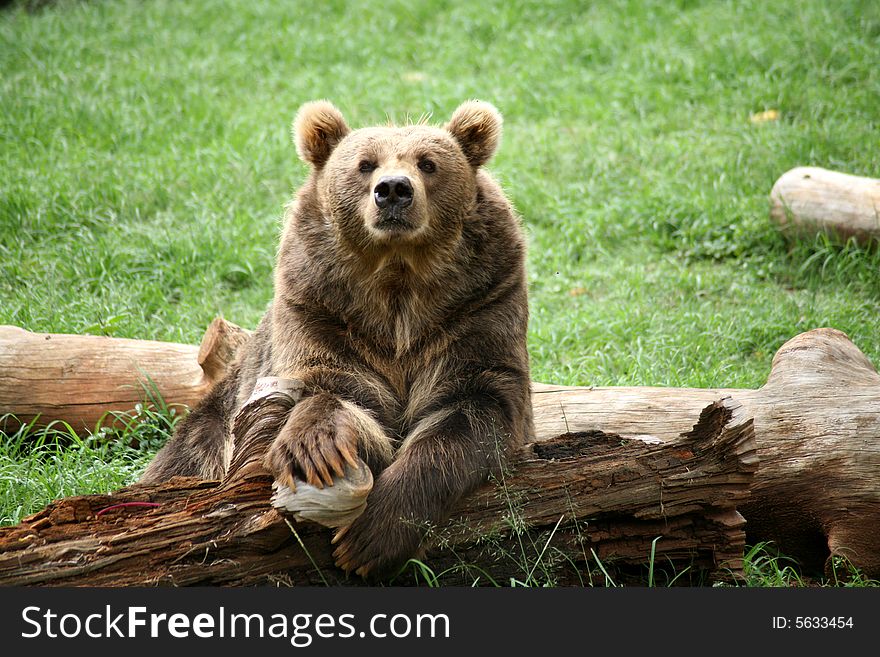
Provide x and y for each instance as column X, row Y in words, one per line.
column 315, row 443
column 375, row 545
column 386, row 534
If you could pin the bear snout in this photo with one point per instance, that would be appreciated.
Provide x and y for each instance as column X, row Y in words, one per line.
column 393, row 192
column 394, row 197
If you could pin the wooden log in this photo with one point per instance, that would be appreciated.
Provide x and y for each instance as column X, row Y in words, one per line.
column 571, row 500
column 817, row 426
column 80, row 379
column 806, row 201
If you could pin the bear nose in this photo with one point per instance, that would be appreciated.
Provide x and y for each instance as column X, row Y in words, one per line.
column 393, row 192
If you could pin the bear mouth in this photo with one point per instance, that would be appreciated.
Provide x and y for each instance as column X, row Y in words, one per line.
column 393, row 224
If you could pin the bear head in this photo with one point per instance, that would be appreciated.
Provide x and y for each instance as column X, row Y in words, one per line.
column 396, row 187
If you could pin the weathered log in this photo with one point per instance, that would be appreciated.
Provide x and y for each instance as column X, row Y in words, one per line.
column 817, row 425
column 572, row 501
column 79, row 379
column 811, row 200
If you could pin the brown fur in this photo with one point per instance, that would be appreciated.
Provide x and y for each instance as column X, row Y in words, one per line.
column 407, row 325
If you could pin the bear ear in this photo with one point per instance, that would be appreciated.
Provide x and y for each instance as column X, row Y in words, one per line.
column 317, row 129
column 476, row 126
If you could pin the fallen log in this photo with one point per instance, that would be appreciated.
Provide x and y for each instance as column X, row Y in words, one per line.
column 817, row 426
column 817, row 423
column 806, row 201
column 577, row 501
column 82, row 379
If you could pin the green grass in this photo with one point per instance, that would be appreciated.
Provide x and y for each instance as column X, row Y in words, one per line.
column 145, row 159
column 40, row 464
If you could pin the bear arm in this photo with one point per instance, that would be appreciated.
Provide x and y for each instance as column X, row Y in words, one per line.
column 415, row 493
column 496, row 400
column 491, row 424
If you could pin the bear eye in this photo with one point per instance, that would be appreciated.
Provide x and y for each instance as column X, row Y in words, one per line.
column 367, row 166
column 427, row 166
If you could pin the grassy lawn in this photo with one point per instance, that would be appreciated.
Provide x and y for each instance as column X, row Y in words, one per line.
column 145, row 158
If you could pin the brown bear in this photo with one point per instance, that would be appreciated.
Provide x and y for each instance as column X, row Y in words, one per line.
column 400, row 303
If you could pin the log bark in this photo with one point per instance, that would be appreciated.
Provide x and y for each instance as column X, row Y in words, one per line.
column 83, row 379
column 569, row 504
column 811, row 200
